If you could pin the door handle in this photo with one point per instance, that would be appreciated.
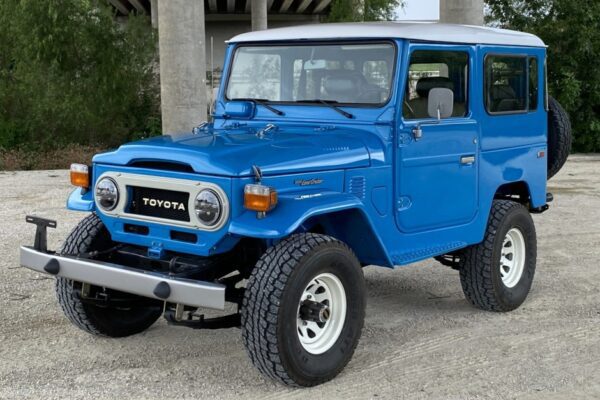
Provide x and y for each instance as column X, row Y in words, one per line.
column 467, row 160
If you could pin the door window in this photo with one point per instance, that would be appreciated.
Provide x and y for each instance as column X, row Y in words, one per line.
column 431, row 69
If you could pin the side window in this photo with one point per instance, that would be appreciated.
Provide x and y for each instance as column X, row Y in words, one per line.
column 506, row 84
column 431, row 69
column 533, row 84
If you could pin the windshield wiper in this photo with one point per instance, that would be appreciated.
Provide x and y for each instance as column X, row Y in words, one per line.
column 262, row 102
column 329, row 103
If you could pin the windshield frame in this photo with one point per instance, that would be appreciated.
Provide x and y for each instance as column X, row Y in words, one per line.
column 392, row 90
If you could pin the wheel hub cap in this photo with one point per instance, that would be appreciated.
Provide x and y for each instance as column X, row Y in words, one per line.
column 321, row 313
column 512, row 258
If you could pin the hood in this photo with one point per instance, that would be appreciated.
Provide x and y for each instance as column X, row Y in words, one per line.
column 234, row 152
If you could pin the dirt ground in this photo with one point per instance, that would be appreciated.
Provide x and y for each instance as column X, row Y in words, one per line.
column 421, row 338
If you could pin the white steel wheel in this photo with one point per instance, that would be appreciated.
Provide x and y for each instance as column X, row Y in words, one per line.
column 321, row 313
column 512, row 258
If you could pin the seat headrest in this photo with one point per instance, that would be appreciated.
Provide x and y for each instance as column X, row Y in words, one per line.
column 424, row 85
column 341, row 83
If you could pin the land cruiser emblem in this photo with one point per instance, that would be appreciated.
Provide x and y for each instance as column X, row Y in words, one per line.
column 307, row 182
column 169, row 205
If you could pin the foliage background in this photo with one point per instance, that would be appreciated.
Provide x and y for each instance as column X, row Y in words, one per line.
column 571, row 29
column 363, row 10
column 70, row 74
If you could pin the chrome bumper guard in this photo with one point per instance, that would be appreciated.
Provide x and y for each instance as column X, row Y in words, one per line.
column 125, row 279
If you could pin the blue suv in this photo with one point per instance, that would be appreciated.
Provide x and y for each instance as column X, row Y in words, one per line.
column 331, row 147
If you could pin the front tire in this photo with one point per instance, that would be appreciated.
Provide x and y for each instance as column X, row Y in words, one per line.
column 496, row 275
column 91, row 235
column 304, row 309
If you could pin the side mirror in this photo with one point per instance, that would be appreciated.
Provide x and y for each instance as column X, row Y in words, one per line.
column 441, row 103
column 239, row 109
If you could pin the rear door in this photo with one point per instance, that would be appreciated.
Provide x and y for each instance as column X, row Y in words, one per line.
column 436, row 174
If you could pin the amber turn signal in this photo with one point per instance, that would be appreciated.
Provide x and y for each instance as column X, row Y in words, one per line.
column 259, row 198
column 80, row 175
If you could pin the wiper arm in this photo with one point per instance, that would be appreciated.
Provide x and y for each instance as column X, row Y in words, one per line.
column 262, row 102
column 329, row 103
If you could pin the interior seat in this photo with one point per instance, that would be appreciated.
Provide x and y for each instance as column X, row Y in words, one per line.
column 420, row 104
column 348, row 86
column 504, row 98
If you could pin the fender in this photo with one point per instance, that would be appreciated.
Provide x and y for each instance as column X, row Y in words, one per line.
column 80, row 200
column 294, row 210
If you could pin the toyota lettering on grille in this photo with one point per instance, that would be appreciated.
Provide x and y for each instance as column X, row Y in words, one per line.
column 169, row 205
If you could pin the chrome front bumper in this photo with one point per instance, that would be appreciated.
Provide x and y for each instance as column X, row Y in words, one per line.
column 125, row 279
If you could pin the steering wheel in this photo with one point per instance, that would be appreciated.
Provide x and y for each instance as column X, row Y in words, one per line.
column 410, row 109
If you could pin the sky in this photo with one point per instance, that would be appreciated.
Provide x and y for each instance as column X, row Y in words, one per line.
column 419, row 10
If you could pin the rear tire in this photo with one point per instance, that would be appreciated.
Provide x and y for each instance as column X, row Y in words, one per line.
column 305, row 271
column 91, row 235
column 496, row 275
column 560, row 137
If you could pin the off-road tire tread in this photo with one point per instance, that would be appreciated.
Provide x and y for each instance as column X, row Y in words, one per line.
column 559, row 137
column 265, row 286
column 80, row 240
column 477, row 262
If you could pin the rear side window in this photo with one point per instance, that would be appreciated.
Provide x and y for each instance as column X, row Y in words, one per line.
column 533, row 84
column 511, row 84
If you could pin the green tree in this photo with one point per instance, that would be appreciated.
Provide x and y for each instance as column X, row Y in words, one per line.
column 363, row 10
column 70, row 73
column 571, row 29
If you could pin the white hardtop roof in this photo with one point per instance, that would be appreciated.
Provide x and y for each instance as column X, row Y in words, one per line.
column 421, row 31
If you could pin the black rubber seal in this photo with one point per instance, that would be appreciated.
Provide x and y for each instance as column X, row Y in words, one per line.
column 162, row 290
column 52, row 267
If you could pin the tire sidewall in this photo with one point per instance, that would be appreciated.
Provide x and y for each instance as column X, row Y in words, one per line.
column 306, row 368
column 511, row 298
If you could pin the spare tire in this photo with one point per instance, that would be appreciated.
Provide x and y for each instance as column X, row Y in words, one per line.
column 559, row 136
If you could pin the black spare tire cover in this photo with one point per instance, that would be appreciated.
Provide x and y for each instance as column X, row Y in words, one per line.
column 559, row 136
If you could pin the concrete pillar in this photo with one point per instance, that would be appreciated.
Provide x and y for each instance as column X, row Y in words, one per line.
column 154, row 13
column 182, row 64
column 259, row 14
column 468, row 12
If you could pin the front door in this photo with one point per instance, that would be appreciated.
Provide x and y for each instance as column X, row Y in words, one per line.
column 436, row 173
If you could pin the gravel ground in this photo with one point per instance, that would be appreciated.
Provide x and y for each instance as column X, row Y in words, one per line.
column 421, row 338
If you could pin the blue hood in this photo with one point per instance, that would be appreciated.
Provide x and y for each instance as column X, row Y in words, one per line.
column 234, row 152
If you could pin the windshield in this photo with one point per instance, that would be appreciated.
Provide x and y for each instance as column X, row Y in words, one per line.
column 341, row 73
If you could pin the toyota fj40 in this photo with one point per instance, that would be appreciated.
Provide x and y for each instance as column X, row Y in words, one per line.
column 331, row 147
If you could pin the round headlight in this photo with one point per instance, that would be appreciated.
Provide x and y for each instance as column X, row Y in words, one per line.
column 208, row 207
column 107, row 194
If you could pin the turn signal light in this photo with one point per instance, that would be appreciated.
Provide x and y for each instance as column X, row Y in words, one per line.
column 80, row 175
column 259, row 198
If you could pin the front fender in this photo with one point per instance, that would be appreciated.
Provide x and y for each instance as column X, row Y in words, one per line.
column 80, row 200
column 292, row 210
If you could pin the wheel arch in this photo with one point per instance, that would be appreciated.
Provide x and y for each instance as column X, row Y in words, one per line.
column 354, row 228
column 338, row 215
column 518, row 191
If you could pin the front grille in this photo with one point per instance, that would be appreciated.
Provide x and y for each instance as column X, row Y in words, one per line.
column 159, row 203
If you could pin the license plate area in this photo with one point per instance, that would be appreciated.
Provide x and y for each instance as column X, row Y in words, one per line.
column 158, row 203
